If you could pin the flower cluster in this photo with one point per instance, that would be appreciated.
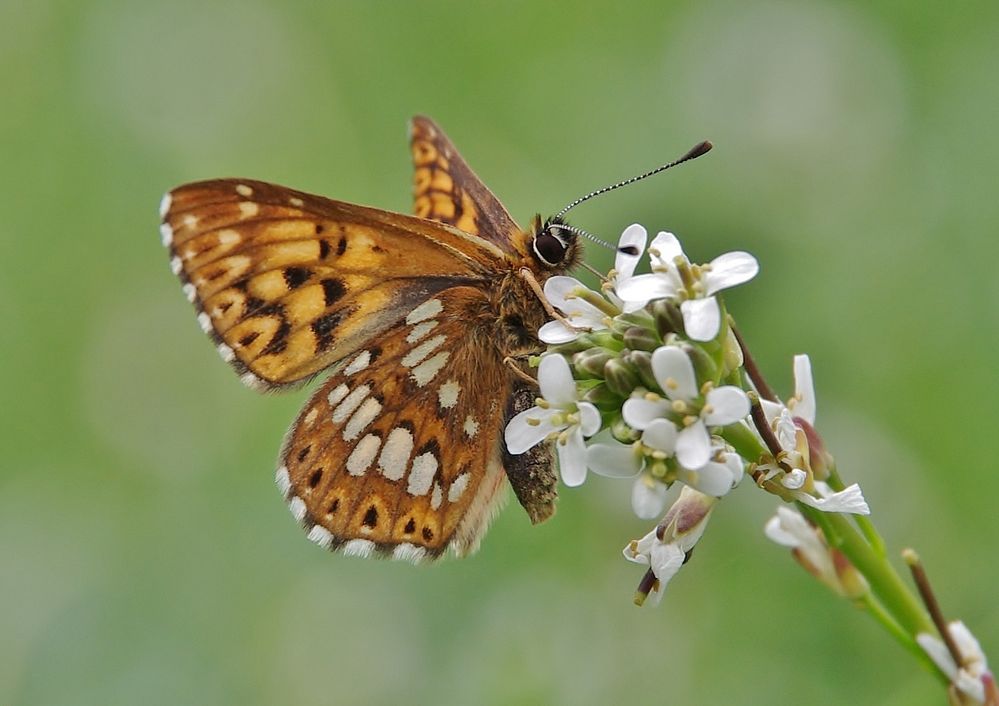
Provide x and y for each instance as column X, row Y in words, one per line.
column 643, row 380
column 647, row 379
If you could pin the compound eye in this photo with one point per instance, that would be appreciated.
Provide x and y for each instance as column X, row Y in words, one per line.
column 550, row 248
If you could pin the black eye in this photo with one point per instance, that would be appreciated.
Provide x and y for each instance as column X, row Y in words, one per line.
column 549, row 247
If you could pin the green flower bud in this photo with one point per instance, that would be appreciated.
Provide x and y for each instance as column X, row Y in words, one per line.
column 601, row 397
column 704, row 367
column 642, row 362
column 622, row 432
column 641, row 339
column 590, row 363
column 621, row 377
column 667, row 317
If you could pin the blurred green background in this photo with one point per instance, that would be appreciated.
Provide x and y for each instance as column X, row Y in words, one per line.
column 146, row 556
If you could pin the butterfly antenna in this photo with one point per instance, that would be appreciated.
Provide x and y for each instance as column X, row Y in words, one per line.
column 695, row 152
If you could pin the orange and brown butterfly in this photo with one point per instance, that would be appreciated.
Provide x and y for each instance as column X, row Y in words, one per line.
column 424, row 323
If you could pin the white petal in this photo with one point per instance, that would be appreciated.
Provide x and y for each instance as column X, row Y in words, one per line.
column 572, row 459
column 521, row 436
column 667, row 248
column 613, row 460
column 558, row 287
column 729, row 404
column 730, row 269
column 555, row 332
column 803, row 403
column 735, row 467
column 938, row 652
column 712, row 479
column 771, row 410
column 634, row 236
column 638, row 551
column 639, row 413
column 555, row 381
column 849, row 500
column 786, row 431
column 675, row 373
column 644, row 288
column 701, row 318
column 795, row 479
column 661, row 435
column 693, row 446
column 648, row 497
column 666, row 560
column 589, row 419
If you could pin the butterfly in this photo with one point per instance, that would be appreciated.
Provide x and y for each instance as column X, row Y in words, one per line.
column 424, row 323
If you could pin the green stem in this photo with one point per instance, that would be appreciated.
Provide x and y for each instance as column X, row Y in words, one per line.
column 863, row 521
column 885, row 582
column 744, row 441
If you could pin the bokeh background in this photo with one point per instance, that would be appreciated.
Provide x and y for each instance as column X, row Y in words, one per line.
column 146, row 556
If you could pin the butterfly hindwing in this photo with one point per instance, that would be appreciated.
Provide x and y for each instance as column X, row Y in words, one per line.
column 289, row 283
column 398, row 453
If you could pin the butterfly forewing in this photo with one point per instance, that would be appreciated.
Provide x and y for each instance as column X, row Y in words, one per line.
column 397, row 453
column 289, row 283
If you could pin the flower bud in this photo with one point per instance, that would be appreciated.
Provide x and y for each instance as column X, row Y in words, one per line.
column 641, row 339
column 819, row 460
column 622, row 432
column 641, row 361
column 601, row 397
column 704, row 367
column 852, row 582
column 621, row 378
column 667, row 316
column 590, row 363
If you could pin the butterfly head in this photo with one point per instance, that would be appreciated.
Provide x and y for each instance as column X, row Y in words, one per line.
column 555, row 245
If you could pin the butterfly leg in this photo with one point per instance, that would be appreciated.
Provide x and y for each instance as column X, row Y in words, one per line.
column 513, row 362
column 535, row 286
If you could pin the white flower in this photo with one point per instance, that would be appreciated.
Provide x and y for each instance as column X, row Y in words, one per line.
column 788, row 424
column 721, row 406
column 969, row 677
column 788, row 528
column 559, row 415
column 680, row 530
column 566, row 294
column 692, row 286
column 658, row 442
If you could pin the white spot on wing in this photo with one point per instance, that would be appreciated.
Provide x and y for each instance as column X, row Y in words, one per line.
column 165, row 204
column 205, row 322
column 358, row 547
column 321, row 536
column 166, row 233
column 189, row 220
column 409, row 552
column 297, row 507
column 359, row 363
column 337, row 394
column 226, row 353
column 244, row 190
column 362, row 455
column 189, row 291
column 437, row 497
column 447, row 395
column 395, row 453
column 176, row 265
column 426, row 310
column 471, row 426
column 364, row 415
column 422, row 351
column 428, row 369
column 457, row 487
column 296, row 202
column 283, row 481
column 248, row 209
column 350, row 403
column 228, row 236
column 421, row 330
column 421, row 475
column 252, row 381
column 311, row 416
